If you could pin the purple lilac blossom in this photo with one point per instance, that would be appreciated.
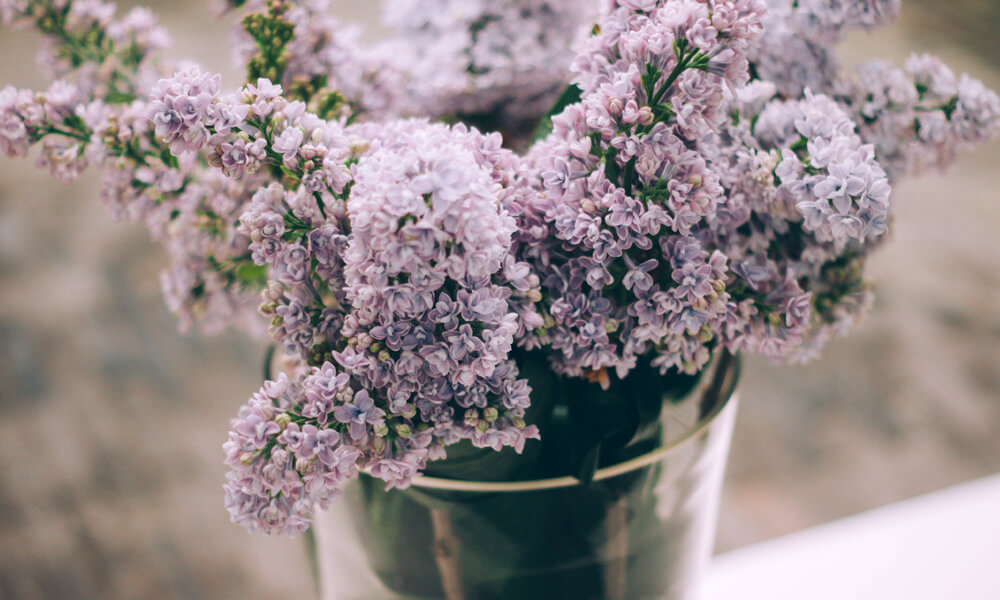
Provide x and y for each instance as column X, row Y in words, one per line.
column 425, row 269
column 326, row 52
column 921, row 116
column 508, row 59
column 624, row 189
column 797, row 51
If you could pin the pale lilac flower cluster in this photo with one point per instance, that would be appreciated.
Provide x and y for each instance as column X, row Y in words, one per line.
column 805, row 202
column 183, row 107
column 625, row 187
column 917, row 117
column 426, row 271
column 504, row 60
column 826, row 172
column 798, row 50
column 105, row 56
column 325, row 55
column 920, row 116
column 294, row 445
column 27, row 118
column 399, row 270
column 98, row 117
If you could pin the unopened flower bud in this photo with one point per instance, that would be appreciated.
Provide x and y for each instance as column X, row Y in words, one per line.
column 615, row 106
column 471, row 417
column 283, row 420
column 491, row 414
column 275, row 291
column 381, row 429
column 645, row 116
column 519, row 422
column 403, row 430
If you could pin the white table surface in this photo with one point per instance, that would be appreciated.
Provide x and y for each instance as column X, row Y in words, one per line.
column 942, row 546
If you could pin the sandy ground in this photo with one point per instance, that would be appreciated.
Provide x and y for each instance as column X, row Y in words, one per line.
column 111, row 422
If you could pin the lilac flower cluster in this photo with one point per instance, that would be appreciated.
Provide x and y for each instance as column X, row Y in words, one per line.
column 834, row 181
column 625, row 187
column 107, row 57
column 97, row 116
column 398, row 270
column 798, row 50
column 293, row 446
column 325, row 56
column 920, row 116
column 507, row 59
column 427, row 270
column 719, row 184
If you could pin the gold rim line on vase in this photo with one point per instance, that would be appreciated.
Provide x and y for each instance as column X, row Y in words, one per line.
column 729, row 379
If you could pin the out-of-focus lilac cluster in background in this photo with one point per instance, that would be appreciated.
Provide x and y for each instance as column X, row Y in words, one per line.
column 111, row 422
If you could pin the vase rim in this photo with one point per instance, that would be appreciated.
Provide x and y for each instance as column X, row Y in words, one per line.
column 727, row 380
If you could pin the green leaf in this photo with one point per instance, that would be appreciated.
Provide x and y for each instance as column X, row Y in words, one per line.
column 571, row 95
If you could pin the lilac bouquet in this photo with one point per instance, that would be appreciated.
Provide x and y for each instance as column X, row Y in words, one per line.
column 512, row 219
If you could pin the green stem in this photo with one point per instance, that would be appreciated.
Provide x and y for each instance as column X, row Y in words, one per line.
column 616, row 561
column 446, row 555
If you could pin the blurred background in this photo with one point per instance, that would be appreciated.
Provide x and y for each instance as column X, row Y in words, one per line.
column 111, row 422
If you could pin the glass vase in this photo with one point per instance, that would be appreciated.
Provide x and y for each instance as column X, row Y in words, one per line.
column 643, row 529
